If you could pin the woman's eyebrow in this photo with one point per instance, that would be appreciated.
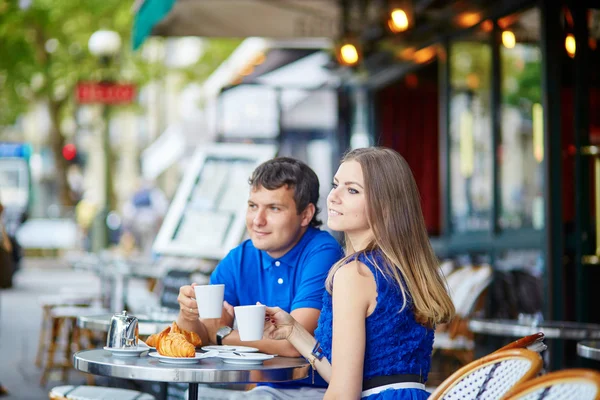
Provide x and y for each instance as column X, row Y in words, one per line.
column 354, row 183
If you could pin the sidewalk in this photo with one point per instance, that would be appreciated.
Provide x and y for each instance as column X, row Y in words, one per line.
column 20, row 318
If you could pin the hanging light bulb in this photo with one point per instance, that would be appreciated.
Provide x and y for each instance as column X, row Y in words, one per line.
column 398, row 21
column 400, row 17
column 348, row 54
column 508, row 39
column 570, row 45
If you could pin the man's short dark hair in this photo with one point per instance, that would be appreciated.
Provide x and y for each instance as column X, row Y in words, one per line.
column 286, row 171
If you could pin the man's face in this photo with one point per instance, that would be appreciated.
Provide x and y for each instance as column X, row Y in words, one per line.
column 273, row 222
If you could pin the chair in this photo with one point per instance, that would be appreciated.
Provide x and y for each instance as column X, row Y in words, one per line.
column 580, row 384
column 490, row 377
column 533, row 342
column 64, row 339
column 70, row 392
column 466, row 286
column 48, row 303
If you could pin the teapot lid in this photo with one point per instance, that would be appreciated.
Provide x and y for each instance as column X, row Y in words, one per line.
column 123, row 316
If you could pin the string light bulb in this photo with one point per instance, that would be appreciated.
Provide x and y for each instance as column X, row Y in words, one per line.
column 400, row 16
column 570, row 45
column 398, row 21
column 508, row 39
column 348, row 54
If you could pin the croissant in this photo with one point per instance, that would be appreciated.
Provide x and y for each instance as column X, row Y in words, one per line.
column 174, row 345
column 191, row 337
column 153, row 339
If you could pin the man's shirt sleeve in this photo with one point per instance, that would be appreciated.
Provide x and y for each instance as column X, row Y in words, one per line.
column 226, row 273
column 314, row 273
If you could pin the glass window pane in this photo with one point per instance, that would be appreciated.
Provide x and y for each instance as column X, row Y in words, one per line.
column 521, row 151
column 470, row 133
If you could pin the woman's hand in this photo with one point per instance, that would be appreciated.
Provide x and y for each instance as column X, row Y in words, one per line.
column 278, row 324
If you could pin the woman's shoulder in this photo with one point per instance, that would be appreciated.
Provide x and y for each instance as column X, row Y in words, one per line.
column 354, row 269
column 354, row 275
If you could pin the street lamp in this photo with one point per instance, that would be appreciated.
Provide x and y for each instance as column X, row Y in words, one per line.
column 105, row 45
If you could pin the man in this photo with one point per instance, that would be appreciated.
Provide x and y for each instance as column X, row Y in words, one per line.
column 285, row 263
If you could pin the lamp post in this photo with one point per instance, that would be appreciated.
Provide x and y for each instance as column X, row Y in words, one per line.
column 105, row 45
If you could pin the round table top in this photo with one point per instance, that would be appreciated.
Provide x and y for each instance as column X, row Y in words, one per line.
column 147, row 325
column 551, row 329
column 208, row 370
column 589, row 349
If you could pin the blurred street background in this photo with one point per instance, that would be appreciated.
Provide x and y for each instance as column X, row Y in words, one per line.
column 20, row 316
column 128, row 130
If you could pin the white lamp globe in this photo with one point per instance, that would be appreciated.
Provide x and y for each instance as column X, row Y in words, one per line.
column 104, row 43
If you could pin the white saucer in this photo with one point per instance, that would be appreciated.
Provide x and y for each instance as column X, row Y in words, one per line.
column 228, row 349
column 142, row 344
column 244, row 358
column 183, row 360
column 127, row 352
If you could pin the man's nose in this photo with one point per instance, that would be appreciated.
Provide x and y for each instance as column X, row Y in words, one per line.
column 259, row 218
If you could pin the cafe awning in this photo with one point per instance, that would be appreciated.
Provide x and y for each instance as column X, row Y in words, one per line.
column 281, row 19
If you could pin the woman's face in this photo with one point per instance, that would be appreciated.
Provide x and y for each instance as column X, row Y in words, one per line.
column 347, row 205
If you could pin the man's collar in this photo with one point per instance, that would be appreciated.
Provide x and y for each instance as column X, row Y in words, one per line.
column 291, row 257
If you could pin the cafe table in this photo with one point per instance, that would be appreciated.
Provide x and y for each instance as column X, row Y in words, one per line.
column 551, row 329
column 589, row 349
column 207, row 370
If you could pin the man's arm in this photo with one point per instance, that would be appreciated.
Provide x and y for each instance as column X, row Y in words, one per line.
column 188, row 313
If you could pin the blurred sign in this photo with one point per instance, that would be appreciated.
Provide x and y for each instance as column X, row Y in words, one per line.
column 104, row 93
column 13, row 149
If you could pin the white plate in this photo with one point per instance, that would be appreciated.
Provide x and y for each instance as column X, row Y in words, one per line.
column 184, row 360
column 244, row 358
column 229, row 349
column 142, row 344
column 124, row 352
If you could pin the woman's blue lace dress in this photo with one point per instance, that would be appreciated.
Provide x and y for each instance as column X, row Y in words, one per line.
column 395, row 342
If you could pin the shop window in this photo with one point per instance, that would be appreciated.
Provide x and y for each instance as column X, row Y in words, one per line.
column 521, row 147
column 470, row 133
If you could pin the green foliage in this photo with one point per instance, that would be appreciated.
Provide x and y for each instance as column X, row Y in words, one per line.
column 471, row 58
column 522, row 78
column 217, row 51
column 44, row 53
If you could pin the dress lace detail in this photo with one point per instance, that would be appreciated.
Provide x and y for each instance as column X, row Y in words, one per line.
column 395, row 342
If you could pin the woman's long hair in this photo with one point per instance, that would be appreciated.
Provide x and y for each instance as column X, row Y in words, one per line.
column 395, row 217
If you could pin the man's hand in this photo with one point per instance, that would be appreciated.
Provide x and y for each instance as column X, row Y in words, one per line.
column 212, row 325
column 187, row 303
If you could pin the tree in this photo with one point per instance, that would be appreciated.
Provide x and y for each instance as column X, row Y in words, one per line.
column 44, row 53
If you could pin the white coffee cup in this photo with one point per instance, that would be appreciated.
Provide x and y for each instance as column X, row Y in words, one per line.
column 210, row 300
column 250, row 322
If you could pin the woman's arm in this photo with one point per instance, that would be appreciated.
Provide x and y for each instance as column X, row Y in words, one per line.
column 354, row 298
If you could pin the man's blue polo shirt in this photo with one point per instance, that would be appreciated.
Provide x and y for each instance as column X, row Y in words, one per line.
column 295, row 280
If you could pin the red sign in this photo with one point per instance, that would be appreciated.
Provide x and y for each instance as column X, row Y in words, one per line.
column 105, row 93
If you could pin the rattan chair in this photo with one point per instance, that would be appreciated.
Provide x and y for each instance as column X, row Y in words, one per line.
column 490, row 377
column 570, row 384
column 533, row 342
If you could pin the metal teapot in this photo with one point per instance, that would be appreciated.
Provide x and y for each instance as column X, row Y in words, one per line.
column 123, row 331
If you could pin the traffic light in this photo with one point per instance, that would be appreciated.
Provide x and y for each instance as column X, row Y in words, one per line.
column 69, row 152
column 72, row 155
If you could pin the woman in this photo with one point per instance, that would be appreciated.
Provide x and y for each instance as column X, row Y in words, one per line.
column 384, row 298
